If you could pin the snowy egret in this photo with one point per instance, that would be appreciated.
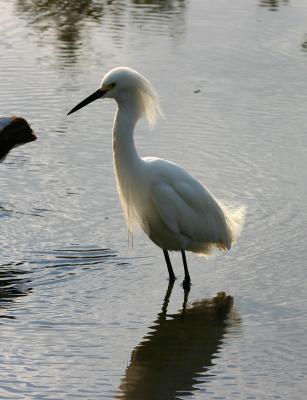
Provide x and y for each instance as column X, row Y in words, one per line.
column 172, row 207
column 14, row 131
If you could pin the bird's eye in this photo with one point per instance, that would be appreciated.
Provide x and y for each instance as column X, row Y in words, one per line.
column 112, row 85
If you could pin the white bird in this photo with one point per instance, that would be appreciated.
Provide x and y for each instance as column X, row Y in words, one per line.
column 14, row 131
column 172, row 207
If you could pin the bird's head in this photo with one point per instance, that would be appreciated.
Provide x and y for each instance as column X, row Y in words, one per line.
column 127, row 87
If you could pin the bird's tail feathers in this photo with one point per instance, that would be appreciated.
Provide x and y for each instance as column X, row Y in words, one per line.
column 235, row 216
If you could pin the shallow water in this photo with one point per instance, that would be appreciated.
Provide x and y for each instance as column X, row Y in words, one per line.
column 83, row 312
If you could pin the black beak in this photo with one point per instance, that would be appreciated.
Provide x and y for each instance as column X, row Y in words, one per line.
column 94, row 96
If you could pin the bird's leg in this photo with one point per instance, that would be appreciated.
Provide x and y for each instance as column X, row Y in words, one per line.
column 171, row 274
column 187, row 280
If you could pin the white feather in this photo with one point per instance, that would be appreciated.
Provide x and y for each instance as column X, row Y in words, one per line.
column 172, row 207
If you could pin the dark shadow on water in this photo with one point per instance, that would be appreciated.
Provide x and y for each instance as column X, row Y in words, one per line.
column 179, row 348
column 48, row 268
column 9, row 210
column 61, row 23
column 304, row 44
column 14, row 283
column 73, row 256
column 65, row 18
column 161, row 6
column 4, row 211
column 58, row 266
column 272, row 5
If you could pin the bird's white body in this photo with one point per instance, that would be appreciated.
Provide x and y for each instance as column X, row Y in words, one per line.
column 172, row 207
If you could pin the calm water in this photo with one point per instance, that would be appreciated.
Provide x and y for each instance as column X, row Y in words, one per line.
column 83, row 313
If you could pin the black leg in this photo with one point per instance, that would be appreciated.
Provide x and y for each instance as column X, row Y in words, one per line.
column 187, row 279
column 169, row 266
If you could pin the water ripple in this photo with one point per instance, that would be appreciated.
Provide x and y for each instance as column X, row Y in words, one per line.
column 77, row 300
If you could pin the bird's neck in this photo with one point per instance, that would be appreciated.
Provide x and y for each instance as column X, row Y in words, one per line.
column 124, row 151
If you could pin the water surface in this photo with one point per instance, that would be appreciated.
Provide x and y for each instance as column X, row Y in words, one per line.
column 82, row 310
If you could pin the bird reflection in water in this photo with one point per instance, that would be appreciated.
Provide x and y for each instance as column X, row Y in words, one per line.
column 178, row 349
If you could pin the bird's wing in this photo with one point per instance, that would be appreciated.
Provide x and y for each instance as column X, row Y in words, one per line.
column 164, row 199
column 186, row 207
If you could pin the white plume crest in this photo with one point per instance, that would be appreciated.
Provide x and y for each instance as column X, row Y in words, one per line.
column 149, row 106
column 131, row 82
